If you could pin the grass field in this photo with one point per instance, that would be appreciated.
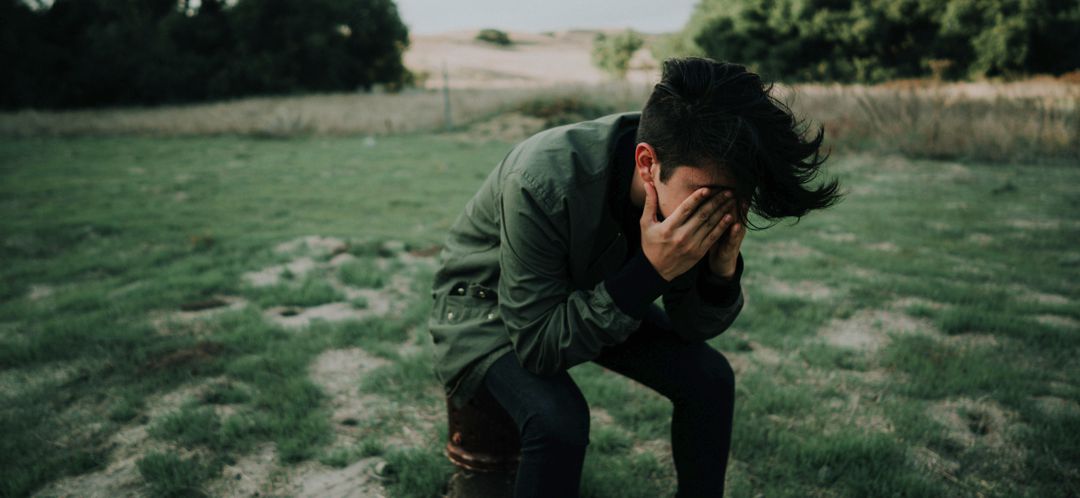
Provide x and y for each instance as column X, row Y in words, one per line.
column 224, row 316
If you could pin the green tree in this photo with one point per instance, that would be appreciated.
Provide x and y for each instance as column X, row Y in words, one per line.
column 876, row 40
column 77, row 53
column 612, row 54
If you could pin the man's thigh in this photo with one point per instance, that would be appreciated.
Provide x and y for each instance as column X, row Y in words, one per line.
column 554, row 401
column 656, row 356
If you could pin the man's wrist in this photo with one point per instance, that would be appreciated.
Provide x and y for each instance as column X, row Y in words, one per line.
column 636, row 285
column 719, row 290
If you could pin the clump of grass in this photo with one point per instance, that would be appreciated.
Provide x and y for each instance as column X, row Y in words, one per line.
column 311, row 291
column 625, row 476
column 558, row 109
column 168, row 475
column 410, row 379
column 828, row 357
column 939, row 369
column 362, row 272
column 370, row 334
column 125, row 409
column 608, row 439
column 226, row 393
column 417, row 472
column 343, row 457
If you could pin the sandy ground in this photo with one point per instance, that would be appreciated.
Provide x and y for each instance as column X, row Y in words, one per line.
column 561, row 57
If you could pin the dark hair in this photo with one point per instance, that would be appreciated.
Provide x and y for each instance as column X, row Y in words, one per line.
column 705, row 113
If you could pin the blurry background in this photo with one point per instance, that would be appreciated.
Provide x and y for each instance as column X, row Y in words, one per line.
column 220, row 220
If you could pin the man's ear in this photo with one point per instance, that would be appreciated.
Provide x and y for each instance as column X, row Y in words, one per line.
column 645, row 161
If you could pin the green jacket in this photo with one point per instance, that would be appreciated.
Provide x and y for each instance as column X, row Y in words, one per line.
column 523, row 266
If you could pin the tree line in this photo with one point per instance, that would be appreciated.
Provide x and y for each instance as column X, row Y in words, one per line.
column 80, row 53
column 876, row 40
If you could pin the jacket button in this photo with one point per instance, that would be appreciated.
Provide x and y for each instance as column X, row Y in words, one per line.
column 481, row 294
column 491, row 316
column 460, row 291
column 450, row 315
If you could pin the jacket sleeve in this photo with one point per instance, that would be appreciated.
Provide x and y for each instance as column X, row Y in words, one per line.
column 703, row 305
column 551, row 325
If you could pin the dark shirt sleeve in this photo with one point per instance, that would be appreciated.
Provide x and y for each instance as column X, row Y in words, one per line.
column 636, row 285
column 721, row 291
column 702, row 306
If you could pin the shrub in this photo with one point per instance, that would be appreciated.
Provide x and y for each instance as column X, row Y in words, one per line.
column 494, row 37
column 612, row 54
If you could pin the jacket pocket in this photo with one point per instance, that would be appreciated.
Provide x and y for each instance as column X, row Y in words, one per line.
column 470, row 302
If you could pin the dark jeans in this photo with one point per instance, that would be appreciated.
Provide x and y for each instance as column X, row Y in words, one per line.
column 553, row 418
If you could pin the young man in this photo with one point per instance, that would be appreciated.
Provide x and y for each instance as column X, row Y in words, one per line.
column 558, row 258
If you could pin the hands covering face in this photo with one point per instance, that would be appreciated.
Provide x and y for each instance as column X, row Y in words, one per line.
column 703, row 224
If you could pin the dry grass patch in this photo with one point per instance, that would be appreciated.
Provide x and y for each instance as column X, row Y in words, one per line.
column 869, row 330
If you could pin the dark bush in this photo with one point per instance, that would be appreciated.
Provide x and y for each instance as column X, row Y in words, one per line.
column 564, row 109
column 877, row 40
column 494, row 37
column 82, row 53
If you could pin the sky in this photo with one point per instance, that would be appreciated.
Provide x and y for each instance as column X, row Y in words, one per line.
column 424, row 17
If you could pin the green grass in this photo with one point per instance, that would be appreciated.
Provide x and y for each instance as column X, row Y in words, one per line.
column 313, row 290
column 168, row 475
column 362, row 273
column 990, row 275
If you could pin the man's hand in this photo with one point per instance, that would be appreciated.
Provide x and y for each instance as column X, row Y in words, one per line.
column 724, row 255
column 681, row 240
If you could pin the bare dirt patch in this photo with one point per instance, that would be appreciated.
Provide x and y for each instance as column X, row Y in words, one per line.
column 254, row 474
column 14, row 381
column 121, row 476
column 883, row 247
column 354, row 481
column 40, row 291
column 312, row 245
column 658, row 448
column 560, row 57
column 860, row 411
column 1031, row 295
column 974, row 340
column 906, row 303
column 1058, row 321
column 295, row 317
column 764, row 355
column 803, row 289
column 1055, row 406
column 1034, row 224
column 981, row 422
column 272, row 275
column 934, row 462
column 868, row 330
column 788, row 249
column 168, row 322
column 338, row 373
column 842, row 237
column 325, row 255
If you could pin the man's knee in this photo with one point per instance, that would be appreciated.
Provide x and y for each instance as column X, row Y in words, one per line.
column 564, row 423
column 713, row 380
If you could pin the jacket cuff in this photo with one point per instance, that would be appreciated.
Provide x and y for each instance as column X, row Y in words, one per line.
column 719, row 291
column 636, row 285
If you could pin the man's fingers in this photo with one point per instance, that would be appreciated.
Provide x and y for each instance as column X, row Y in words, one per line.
column 738, row 232
column 710, row 215
column 648, row 216
column 709, row 237
column 688, row 206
